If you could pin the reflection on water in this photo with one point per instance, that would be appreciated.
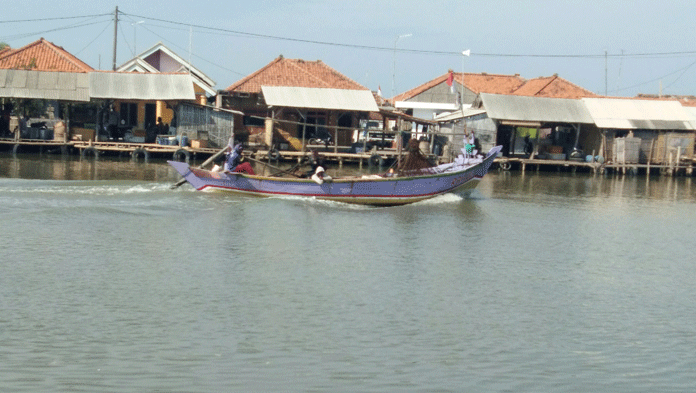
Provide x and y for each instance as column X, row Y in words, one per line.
column 59, row 167
column 586, row 185
column 111, row 281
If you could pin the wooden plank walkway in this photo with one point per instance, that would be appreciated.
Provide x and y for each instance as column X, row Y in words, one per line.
column 507, row 163
column 332, row 154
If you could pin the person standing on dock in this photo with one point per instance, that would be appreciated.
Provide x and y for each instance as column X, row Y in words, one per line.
column 233, row 162
column 162, row 128
column 5, row 124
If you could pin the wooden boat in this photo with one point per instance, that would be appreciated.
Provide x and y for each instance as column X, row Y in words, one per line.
column 380, row 190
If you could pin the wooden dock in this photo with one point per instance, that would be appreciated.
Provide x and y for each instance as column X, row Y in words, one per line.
column 332, row 154
column 175, row 152
column 508, row 163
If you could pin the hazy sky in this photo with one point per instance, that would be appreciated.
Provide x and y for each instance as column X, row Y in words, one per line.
column 228, row 40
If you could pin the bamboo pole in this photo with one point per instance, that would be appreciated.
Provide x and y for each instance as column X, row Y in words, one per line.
column 272, row 166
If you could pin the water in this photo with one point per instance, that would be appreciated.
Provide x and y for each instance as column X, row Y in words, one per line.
column 110, row 281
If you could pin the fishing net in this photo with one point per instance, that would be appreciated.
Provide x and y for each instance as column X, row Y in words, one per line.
column 415, row 160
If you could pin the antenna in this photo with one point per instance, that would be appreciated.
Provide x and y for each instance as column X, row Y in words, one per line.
column 190, row 44
column 115, row 35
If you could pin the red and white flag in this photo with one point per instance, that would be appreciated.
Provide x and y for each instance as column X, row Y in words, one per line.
column 450, row 81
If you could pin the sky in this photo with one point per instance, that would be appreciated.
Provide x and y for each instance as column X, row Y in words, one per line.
column 619, row 48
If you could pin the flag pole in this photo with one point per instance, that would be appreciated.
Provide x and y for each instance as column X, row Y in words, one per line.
column 461, row 99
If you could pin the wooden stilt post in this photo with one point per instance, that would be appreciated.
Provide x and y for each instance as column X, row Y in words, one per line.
column 676, row 169
column 650, row 154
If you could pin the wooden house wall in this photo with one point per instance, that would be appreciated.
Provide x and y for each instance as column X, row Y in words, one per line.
column 287, row 119
column 484, row 130
column 590, row 139
column 662, row 142
column 161, row 110
column 666, row 143
column 442, row 93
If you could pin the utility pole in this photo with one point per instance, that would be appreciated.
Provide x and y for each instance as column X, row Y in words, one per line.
column 115, row 35
column 606, row 72
column 394, row 60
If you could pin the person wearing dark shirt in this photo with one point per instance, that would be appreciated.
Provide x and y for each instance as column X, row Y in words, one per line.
column 233, row 162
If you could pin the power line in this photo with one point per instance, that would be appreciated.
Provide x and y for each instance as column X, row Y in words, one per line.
column 56, row 18
column 192, row 54
column 18, row 36
column 622, row 55
column 120, row 29
column 683, row 70
column 419, row 51
column 221, row 31
column 680, row 75
column 95, row 38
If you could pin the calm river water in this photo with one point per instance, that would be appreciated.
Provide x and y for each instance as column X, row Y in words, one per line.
column 112, row 282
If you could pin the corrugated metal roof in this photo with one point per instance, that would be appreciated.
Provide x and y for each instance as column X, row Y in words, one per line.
column 639, row 114
column 691, row 111
column 141, row 86
column 536, row 109
column 425, row 105
column 456, row 115
column 319, row 98
column 64, row 86
column 400, row 115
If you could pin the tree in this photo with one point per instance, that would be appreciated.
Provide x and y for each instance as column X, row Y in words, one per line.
column 4, row 45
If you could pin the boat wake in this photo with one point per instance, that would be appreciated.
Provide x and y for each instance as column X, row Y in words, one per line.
column 441, row 199
column 448, row 198
column 108, row 188
column 322, row 202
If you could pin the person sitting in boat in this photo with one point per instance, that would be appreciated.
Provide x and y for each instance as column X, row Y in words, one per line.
column 316, row 171
column 315, row 161
column 234, row 163
column 320, row 175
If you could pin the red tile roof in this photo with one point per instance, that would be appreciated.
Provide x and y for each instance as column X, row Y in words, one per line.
column 42, row 55
column 688, row 102
column 296, row 73
column 5, row 50
column 478, row 83
column 554, row 86
column 685, row 100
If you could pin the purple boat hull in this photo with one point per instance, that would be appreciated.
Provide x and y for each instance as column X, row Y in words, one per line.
column 379, row 190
